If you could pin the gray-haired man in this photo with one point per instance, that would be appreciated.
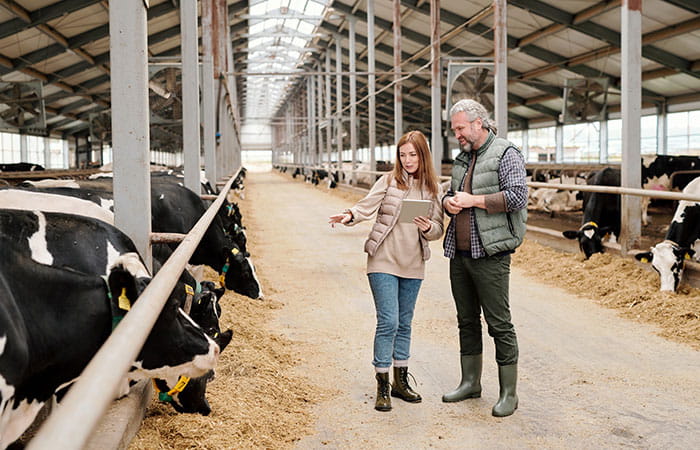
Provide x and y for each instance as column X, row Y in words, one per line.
column 486, row 201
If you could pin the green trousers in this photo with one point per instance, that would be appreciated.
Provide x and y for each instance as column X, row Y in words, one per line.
column 482, row 284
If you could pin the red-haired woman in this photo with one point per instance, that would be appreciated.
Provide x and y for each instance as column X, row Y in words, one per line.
column 397, row 252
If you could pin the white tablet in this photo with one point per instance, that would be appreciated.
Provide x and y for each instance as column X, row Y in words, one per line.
column 413, row 208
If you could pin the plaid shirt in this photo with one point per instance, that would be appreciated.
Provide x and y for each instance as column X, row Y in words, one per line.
column 511, row 179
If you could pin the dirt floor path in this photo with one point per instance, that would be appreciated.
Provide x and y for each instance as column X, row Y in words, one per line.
column 588, row 378
column 606, row 360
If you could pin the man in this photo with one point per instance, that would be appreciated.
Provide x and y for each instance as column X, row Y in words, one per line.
column 486, row 201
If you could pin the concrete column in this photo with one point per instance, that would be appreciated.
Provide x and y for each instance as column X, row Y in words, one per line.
column 398, row 101
column 371, row 86
column 436, row 85
column 128, row 50
column 631, row 38
column 190, row 93
column 526, row 144
column 500, row 43
column 209, row 120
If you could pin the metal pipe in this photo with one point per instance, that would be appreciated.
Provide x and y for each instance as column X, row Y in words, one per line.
column 662, row 195
column 71, row 425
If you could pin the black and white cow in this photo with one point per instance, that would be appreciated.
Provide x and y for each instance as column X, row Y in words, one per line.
column 658, row 175
column 601, row 214
column 91, row 246
column 20, row 167
column 53, row 321
column 682, row 242
column 174, row 209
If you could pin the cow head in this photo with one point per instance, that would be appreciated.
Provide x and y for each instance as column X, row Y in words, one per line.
column 176, row 344
column 668, row 259
column 188, row 395
column 590, row 238
column 206, row 309
column 238, row 274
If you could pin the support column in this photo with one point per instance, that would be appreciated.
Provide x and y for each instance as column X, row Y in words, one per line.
column 631, row 38
column 329, row 112
column 319, row 116
column 603, row 142
column 558, row 144
column 339, row 99
column 47, row 153
column 23, row 148
column 500, row 43
column 352, row 21
column 435, row 87
column 130, row 122
column 662, row 130
column 371, row 87
column 190, row 94
column 398, row 101
column 209, row 120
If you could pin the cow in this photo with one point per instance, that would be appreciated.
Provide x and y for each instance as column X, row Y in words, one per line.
column 658, row 175
column 556, row 200
column 53, row 320
column 682, row 242
column 601, row 214
column 20, row 167
column 91, row 246
column 174, row 209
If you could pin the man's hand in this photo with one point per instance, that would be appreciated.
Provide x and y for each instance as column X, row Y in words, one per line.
column 451, row 206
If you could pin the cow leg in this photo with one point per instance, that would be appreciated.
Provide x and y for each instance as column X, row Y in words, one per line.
column 645, row 209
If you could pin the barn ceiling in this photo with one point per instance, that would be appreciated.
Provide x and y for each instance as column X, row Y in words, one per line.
column 63, row 47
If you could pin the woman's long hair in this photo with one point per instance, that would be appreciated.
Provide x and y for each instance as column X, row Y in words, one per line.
column 425, row 175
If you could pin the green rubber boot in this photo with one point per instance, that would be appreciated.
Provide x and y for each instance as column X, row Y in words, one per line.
column 470, row 386
column 383, row 402
column 508, row 399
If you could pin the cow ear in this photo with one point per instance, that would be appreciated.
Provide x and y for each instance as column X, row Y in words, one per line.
column 644, row 257
column 122, row 286
column 570, row 234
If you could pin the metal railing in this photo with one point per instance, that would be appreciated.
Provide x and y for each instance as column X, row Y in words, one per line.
column 71, row 425
column 661, row 195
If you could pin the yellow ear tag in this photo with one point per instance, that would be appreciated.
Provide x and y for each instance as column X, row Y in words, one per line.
column 189, row 290
column 222, row 279
column 124, row 302
column 644, row 260
column 235, row 251
column 687, row 256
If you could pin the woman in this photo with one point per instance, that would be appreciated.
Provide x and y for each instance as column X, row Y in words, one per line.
column 396, row 258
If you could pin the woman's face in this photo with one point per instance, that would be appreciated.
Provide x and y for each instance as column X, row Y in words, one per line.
column 409, row 158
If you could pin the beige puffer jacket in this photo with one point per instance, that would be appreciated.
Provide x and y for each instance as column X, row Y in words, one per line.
column 387, row 216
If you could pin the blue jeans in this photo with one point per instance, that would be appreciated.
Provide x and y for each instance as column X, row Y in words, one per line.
column 394, row 300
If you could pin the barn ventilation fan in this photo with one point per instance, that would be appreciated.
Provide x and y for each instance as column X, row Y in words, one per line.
column 101, row 127
column 22, row 107
column 470, row 80
column 585, row 100
column 165, row 93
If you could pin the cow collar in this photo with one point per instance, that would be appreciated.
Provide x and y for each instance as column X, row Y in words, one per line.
column 167, row 397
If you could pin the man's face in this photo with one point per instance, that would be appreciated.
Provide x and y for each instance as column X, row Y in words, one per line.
column 466, row 132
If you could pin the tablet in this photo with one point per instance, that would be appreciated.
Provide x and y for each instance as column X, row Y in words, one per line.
column 413, row 208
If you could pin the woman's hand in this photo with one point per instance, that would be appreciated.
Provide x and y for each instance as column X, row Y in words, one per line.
column 340, row 218
column 423, row 223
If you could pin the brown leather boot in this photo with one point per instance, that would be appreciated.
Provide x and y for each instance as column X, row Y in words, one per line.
column 400, row 387
column 383, row 402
